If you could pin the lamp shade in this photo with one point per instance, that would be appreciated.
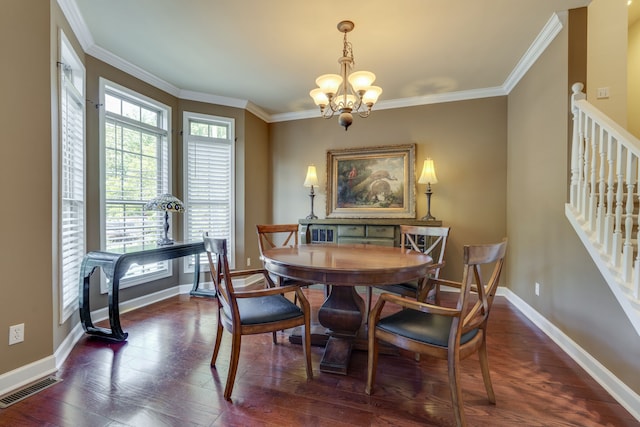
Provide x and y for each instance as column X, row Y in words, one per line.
column 312, row 177
column 329, row 83
column 165, row 202
column 370, row 97
column 428, row 175
column 361, row 80
column 319, row 97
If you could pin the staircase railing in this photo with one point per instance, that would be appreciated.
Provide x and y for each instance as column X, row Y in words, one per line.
column 603, row 197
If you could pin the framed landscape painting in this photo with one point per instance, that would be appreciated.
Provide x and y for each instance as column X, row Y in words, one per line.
column 372, row 182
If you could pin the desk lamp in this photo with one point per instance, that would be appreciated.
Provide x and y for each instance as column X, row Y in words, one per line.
column 166, row 203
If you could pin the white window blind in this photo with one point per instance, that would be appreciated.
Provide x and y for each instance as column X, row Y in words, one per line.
column 71, row 169
column 209, row 180
column 135, row 170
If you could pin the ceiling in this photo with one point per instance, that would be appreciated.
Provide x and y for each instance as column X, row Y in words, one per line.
column 267, row 54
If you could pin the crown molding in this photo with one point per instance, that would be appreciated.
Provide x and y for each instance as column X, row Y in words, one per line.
column 405, row 102
column 552, row 28
column 132, row 69
column 549, row 32
column 74, row 17
column 259, row 112
column 212, row 99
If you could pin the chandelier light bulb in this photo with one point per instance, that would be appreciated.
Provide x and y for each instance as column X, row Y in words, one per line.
column 329, row 83
column 319, row 97
column 370, row 97
column 361, row 80
column 347, row 93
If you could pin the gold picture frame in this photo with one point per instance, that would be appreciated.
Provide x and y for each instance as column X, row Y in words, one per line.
column 372, row 182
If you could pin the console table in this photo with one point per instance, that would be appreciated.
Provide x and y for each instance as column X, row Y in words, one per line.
column 115, row 265
column 372, row 231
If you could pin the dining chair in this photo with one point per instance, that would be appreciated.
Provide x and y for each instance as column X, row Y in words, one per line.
column 450, row 333
column 252, row 311
column 279, row 235
column 429, row 240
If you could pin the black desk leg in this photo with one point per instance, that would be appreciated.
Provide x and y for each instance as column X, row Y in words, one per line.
column 196, row 281
column 116, row 333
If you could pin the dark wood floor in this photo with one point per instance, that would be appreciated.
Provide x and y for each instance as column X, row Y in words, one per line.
column 161, row 376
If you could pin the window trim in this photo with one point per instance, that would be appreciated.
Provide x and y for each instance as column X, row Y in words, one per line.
column 136, row 97
column 66, row 53
column 230, row 122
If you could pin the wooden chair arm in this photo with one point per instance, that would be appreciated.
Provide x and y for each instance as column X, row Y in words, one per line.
column 444, row 282
column 240, row 273
column 265, row 292
column 420, row 306
column 263, row 272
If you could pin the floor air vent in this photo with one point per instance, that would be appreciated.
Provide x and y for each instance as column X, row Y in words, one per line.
column 27, row 391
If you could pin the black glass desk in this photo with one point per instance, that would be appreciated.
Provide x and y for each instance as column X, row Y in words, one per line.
column 115, row 265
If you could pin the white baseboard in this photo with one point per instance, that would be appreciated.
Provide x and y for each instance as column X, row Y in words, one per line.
column 34, row 371
column 27, row 374
column 626, row 397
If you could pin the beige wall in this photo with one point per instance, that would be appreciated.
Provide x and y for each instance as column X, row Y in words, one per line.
column 543, row 246
column 466, row 139
column 607, row 57
column 25, row 176
column 258, row 184
column 633, row 80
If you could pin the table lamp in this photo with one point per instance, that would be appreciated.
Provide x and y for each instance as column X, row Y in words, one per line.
column 166, row 203
column 310, row 181
column 428, row 177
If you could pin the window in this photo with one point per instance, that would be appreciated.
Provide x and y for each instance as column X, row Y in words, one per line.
column 134, row 169
column 209, row 180
column 70, row 177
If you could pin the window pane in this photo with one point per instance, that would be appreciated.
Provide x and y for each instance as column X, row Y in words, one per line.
column 71, row 190
column 208, row 162
column 136, row 169
column 112, row 104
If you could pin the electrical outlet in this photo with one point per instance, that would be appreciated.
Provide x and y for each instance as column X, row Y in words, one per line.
column 16, row 334
column 248, row 262
column 537, row 289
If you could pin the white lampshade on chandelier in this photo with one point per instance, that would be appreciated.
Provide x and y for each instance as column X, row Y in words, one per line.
column 348, row 92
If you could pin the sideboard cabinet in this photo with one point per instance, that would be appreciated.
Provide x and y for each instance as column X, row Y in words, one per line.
column 373, row 231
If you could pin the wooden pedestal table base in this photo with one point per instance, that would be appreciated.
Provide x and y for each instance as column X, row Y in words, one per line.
column 344, row 267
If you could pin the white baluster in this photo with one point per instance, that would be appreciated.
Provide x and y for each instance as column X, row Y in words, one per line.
column 627, row 248
column 576, row 143
column 635, row 285
column 585, row 170
column 616, row 249
column 608, row 223
column 593, row 180
column 601, row 188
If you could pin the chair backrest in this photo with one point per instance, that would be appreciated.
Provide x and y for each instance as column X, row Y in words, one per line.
column 429, row 240
column 220, row 273
column 272, row 235
column 487, row 258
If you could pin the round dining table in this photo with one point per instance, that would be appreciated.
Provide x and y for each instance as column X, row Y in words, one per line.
column 342, row 268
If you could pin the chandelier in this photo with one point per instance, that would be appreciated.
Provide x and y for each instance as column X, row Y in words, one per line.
column 348, row 92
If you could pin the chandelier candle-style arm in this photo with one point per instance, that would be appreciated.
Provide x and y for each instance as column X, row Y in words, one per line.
column 347, row 92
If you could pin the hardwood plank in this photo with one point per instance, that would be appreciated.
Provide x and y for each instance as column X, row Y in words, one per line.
column 161, row 376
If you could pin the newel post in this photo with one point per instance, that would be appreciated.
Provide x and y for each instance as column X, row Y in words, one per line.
column 576, row 141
